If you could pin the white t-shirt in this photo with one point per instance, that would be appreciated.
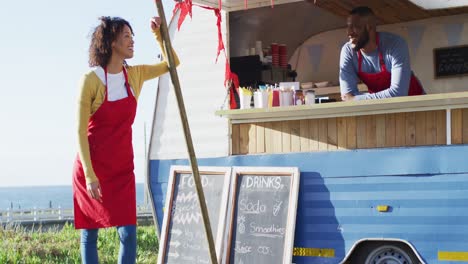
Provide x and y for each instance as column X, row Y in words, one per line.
column 116, row 84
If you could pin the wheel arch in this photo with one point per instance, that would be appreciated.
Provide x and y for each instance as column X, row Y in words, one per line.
column 362, row 241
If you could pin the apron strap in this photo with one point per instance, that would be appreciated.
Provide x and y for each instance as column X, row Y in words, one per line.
column 105, row 77
column 381, row 60
column 127, row 85
column 359, row 59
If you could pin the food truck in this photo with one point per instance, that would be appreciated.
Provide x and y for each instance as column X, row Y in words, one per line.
column 381, row 181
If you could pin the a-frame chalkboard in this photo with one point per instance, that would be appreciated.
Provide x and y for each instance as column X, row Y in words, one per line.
column 263, row 205
column 183, row 238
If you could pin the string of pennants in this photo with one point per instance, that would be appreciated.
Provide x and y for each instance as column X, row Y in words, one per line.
column 453, row 33
column 186, row 9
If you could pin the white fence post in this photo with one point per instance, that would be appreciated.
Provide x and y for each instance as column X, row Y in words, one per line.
column 60, row 212
column 35, row 214
column 8, row 215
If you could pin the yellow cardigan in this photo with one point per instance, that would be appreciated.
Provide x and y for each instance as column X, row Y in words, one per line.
column 92, row 96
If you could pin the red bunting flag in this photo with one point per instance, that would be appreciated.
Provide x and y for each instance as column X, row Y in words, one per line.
column 186, row 9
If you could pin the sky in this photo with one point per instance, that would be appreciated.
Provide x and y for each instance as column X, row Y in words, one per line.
column 44, row 48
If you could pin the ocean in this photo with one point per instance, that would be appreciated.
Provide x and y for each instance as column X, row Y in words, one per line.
column 42, row 197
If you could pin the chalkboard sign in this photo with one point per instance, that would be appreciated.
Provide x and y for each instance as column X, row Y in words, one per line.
column 451, row 61
column 263, row 215
column 183, row 238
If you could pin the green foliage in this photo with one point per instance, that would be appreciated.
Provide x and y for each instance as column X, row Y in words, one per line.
column 18, row 245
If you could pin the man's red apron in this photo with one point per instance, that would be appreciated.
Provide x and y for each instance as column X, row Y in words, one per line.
column 380, row 81
column 110, row 145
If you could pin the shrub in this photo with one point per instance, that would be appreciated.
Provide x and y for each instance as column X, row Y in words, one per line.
column 18, row 245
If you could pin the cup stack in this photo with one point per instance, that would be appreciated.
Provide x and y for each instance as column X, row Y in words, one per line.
column 283, row 56
column 275, row 101
column 261, row 99
column 275, row 54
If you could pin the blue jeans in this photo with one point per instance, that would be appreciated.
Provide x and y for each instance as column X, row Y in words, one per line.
column 128, row 245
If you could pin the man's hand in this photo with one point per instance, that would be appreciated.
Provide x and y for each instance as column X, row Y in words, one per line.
column 94, row 190
column 347, row 97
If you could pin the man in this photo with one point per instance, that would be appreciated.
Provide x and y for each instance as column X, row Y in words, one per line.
column 378, row 59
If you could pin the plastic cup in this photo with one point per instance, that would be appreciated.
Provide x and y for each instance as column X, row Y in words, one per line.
column 245, row 101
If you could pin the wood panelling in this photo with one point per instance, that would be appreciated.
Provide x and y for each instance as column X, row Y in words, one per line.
column 421, row 128
column 465, row 126
column 235, row 135
column 380, row 131
column 441, row 129
column 322, row 134
column 457, row 126
column 371, row 132
column 286, row 136
column 252, row 138
column 295, row 136
column 260, row 137
column 314, row 135
column 390, row 130
column 351, row 138
column 431, row 125
column 332, row 135
column 400, row 128
column 361, row 132
column 387, row 11
column 244, row 138
column 304, row 135
column 341, row 130
column 410, row 128
column 341, row 133
column 277, row 139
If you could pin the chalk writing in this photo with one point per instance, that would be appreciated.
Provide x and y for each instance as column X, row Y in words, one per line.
column 186, row 241
column 277, row 207
column 242, row 248
column 188, row 181
column 269, row 229
column 261, row 214
column 262, row 182
column 241, row 225
column 187, row 218
column 264, row 250
column 250, row 207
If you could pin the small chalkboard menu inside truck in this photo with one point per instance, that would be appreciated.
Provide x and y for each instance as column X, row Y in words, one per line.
column 451, row 61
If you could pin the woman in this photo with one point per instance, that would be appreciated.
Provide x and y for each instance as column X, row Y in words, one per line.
column 103, row 178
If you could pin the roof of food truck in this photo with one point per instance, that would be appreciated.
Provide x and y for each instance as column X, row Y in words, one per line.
column 388, row 11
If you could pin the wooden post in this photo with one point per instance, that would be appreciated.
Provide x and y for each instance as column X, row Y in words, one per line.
column 185, row 125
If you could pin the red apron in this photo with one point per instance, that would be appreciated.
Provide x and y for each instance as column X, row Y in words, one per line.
column 380, row 81
column 110, row 146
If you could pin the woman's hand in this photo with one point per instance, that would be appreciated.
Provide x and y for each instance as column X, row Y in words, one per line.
column 94, row 190
column 155, row 23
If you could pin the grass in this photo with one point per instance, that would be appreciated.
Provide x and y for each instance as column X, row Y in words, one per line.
column 18, row 245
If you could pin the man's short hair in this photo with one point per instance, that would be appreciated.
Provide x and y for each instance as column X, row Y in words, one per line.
column 362, row 11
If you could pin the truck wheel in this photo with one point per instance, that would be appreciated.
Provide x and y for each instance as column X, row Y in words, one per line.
column 391, row 254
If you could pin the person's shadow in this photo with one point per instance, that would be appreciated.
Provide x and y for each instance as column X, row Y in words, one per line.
column 318, row 234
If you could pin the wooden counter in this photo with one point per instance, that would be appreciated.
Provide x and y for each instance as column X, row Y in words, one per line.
column 393, row 122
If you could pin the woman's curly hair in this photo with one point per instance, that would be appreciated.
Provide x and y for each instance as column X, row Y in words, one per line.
column 100, row 49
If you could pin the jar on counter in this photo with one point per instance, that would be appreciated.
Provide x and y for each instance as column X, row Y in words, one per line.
column 298, row 97
column 310, row 97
